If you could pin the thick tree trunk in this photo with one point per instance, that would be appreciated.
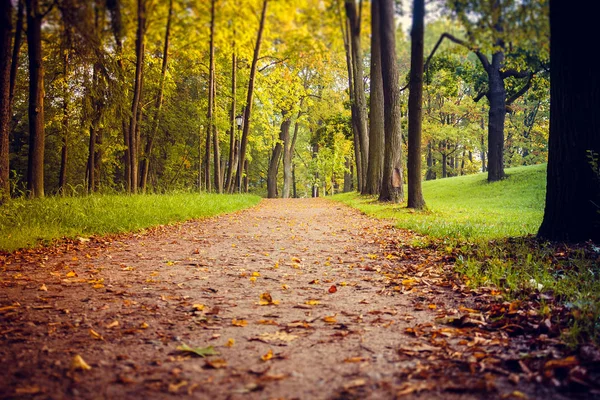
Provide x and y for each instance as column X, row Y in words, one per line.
column 573, row 188
column 273, row 170
column 250, row 94
column 6, row 14
column 415, row 105
column 137, row 93
column 376, row 120
column 391, row 185
column 360, row 102
column 35, row 164
column 158, row 104
column 497, row 99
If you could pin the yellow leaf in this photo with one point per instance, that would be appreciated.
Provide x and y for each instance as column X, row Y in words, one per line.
column 78, row 363
column 216, row 363
column 285, row 287
column 253, row 279
column 198, row 307
column 267, row 300
column 372, row 256
column 330, row 319
column 144, row 325
column 432, row 306
column 95, row 335
column 267, row 356
column 313, row 302
column 256, row 274
column 296, row 260
column 327, row 263
column 267, row 322
column 113, row 324
column 230, row 343
column 43, row 287
column 239, row 322
column 98, row 286
column 354, row 359
column 408, row 282
column 276, row 265
column 174, row 387
column 71, row 274
column 343, row 283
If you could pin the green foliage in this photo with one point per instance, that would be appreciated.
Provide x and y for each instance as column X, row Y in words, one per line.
column 27, row 223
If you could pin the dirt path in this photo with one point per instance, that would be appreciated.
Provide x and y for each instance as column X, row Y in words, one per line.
column 342, row 315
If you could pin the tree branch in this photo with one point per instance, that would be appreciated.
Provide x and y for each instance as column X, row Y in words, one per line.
column 521, row 91
column 514, row 73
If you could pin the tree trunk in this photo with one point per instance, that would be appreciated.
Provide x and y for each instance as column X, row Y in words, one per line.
column 348, row 176
column 288, row 154
column 232, row 149
column 572, row 210
column 391, row 186
column 295, row 193
column 376, row 120
column 415, row 107
column 497, row 99
column 250, row 94
column 66, row 49
column 273, row 170
column 158, row 104
column 218, row 177
column 137, row 92
column 6, row 26
column 16, row 50
column 35, row 164
column 360, row 102
column 430, row 175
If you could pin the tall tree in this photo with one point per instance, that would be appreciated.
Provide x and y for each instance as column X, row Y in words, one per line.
column 249, row 97
column 35, row 163
column 391, row 184
column 415, row 105
column 273, row 170
column 492, row 26
column 158, row 103
column 211, row 99
column 6, row 25
column 137, row 93
column 572, row 210
column 359, row 105
column 232, row 115
column 376, row 117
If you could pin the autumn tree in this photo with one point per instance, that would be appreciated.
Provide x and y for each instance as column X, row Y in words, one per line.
column 572, row 210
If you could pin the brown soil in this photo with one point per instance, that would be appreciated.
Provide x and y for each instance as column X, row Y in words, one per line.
column 354, row 312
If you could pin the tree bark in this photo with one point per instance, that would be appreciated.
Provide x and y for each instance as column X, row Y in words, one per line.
column 415, row 107
column 137, row 92
column 66, row 48
column 288, row 154
column 16, row 50
column 6, row 27
column 273, row 170
column 232, row 148
column 376, row 117
column 572, row 210
column 391, row 185
column 497, row 114
column 211, row 99
column 35, row 163
column 360, row 102
column 218, row 177
column 250, row 94
column 158, row 104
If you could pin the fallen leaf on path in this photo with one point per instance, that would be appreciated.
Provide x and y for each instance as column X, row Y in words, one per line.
column 354, row 359
column 355, row 383
column 174, row 387
column 239, row 322
column 267, row 300
column 113, row 324
column 79, row 363
column 230, row 343
column 43, row 287
column 95, row 335
column 332, row 289
column 267, row 356
column 71, row 274
column 199, row 351
column 267, row 322
column 279, row 336
column 216, row 363
column 198, row 307
column 313, row 302
column 330, row 319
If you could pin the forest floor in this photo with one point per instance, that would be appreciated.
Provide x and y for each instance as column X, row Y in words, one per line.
column 302, row 298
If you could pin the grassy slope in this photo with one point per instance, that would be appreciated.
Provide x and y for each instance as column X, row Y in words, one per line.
column 468, row 207
column 26, row 223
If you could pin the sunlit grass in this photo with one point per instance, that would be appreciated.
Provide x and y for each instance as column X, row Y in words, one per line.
column 468, row 207
column 26, row 223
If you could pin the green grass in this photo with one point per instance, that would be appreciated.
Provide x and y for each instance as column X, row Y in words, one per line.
column 489, row 227
column 468, row 207
column 27, row 223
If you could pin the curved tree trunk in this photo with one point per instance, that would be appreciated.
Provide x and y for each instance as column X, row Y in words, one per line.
column 391, row 185
column 284, row 134
column 248, row 110
column 376, row 121
column 35, row 164
column 573, row 187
